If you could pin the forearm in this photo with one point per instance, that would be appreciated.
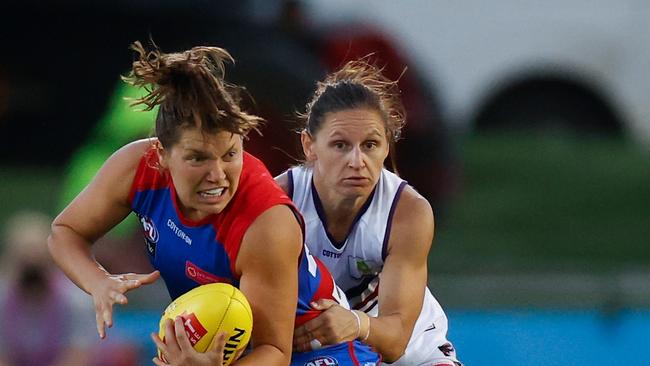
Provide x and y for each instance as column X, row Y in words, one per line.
column 73, row 255
column 265, row 355
column 387, row 334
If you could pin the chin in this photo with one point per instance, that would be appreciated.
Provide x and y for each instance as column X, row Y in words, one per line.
column 215, row 209
column 203, row 210
column 356, row 191
column 220, row 206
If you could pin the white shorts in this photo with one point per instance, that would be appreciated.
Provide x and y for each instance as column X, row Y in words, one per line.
column 428, row 345
column 429, row 348
column 444, row 355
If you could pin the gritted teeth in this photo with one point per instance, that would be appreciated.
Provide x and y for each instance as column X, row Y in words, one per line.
column 213, row 192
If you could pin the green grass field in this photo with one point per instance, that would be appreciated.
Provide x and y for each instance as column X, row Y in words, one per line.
column 540, row 203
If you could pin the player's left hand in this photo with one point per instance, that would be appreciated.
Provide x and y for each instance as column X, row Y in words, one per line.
column 178, row 350
column 335, row 325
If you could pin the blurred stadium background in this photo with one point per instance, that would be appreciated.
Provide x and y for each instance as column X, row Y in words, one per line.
column 529, row 131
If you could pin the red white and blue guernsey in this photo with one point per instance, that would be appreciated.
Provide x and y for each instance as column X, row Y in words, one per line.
column 189, row 254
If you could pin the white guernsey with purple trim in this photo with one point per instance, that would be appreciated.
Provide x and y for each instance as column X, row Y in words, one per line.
column 357, row 261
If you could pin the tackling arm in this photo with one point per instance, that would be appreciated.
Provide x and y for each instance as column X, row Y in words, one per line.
column 404, row 276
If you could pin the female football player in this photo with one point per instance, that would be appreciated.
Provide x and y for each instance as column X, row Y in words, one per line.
column 210, row 212
column 371, row 229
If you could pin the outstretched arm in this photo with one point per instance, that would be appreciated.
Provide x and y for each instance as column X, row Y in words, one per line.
column 98, row 208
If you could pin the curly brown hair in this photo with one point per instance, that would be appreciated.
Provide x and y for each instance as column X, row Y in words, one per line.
column 190, row 89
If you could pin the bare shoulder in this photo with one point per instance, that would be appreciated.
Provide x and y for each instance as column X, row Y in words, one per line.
column 412, row 225
column 117, row 173
column 277, row 224
column 413, row 208
column 272, row 237
column 105, row 200
column 283, row 181
column 130, row 154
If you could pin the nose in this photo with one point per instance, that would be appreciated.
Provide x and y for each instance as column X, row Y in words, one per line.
column 355, row 159
column 216, row 172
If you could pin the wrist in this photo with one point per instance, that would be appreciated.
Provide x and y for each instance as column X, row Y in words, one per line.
column 358, row 319
column 92, row 279
column 364, row 325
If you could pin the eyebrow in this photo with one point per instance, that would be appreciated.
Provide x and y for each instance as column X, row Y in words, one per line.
column 193, row 150
column 232, row 147
column 376, row 132
column 197, row 151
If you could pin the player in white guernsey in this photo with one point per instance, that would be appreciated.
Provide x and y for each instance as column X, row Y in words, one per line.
column 371, row 229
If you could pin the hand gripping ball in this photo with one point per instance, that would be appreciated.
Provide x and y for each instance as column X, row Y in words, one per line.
column 209, row 309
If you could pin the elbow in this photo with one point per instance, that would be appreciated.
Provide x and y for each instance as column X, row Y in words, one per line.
column 390, row 357
column 393, row 353
column 285, row 358
column 52, row 242
column 55, row 241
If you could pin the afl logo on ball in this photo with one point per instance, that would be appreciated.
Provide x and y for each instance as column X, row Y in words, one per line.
column 323, row 361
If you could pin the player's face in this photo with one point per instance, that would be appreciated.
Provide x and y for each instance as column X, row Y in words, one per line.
column 348, row 152
column 205, row 169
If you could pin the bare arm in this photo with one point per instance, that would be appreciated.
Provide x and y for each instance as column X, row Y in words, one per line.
column 268, row 266
column 98, row 208
column 401, row 286
column 268, row 263
column 404, row 276
column 401, row 289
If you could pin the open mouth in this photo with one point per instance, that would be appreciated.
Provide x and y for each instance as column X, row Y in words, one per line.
column 215, row 192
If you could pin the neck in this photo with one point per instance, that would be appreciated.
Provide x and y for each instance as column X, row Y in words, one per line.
column 340, row 212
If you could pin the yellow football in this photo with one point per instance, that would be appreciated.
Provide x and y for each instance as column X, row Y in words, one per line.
column 209, row 309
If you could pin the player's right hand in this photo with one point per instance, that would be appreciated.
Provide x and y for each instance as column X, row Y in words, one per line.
column 176, row 349
column 334, row 325
column 110, row 290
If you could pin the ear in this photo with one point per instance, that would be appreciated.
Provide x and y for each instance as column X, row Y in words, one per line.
column 162, row 156
column 307, row 145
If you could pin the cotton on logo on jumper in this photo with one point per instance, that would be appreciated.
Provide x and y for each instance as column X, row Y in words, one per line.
column 323, row 361
column 180, row 233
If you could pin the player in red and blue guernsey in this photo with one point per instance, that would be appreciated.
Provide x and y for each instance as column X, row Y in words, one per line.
column 210, row 213
column 190, row 253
